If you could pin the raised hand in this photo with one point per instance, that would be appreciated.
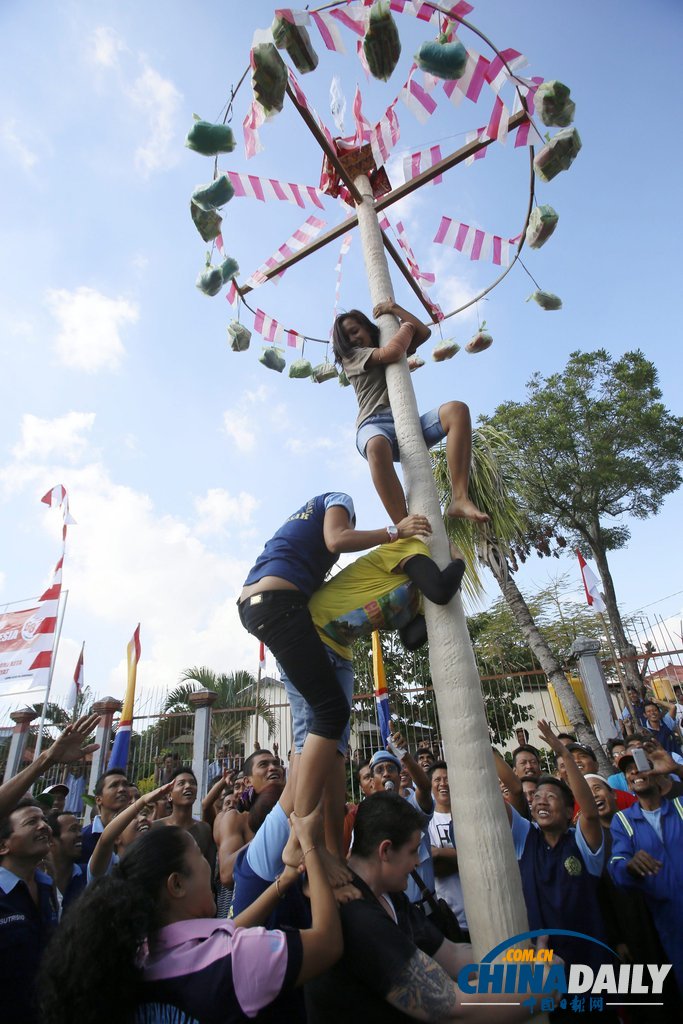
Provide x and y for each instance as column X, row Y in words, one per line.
column 69, row 745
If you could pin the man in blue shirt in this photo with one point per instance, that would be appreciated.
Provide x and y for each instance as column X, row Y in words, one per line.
column 28, row 907
column 65, row 854
column 112, row 794
column 647, row 840
column 560, row 865
column 664, row 728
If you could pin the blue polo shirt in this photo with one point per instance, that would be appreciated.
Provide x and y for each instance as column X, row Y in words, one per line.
column 76, row 886
column 297, row 552
column 663, row 892
column 560, row 885
column 25, row 929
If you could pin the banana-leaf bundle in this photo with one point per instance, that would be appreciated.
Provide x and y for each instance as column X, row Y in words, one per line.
column 542, row 223
column 272, row 358
column 323, row 372
column 546, row 300
column 558, row 155
column 553, row 105
column 300, row 369
column 268, row 77
column 240, row 336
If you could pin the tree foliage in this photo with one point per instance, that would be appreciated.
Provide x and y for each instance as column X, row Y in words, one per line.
column 236, row 692
column 593, row 444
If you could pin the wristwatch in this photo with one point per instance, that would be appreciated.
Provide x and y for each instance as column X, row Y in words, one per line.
column 393, row 532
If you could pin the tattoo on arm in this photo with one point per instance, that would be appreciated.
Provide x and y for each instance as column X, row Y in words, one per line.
column 424, row 991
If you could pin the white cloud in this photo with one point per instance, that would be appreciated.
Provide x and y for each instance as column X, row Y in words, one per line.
column 89, row 327
column 237, row 426
column 127, row 561
column 159, row 100
column 218, row 510
column 301, row 446
column 60, row 438
column 105, row 46
column 16, row 146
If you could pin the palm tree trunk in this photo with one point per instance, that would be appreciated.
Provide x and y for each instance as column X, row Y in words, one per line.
column 549, row 663
column 491, row 881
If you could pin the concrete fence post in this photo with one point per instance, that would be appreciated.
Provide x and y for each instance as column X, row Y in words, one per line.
column 202, row 701
column 22, row 723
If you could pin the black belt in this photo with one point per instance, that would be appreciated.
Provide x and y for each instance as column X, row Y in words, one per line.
column 268, row 596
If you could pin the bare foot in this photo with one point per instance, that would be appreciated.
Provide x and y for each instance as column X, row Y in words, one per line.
column 466, row 509
column 292, row 854
column 335, row 868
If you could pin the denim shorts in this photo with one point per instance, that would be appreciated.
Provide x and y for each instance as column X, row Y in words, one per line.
column 302, row 714
column 381, row 424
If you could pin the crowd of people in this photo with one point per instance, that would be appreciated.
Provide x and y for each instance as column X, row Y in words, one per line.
column 283, row 902
column 253, row 912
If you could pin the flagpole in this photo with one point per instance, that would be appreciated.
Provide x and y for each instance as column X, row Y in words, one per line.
column 256, row 714
column 41, row 724
column 620, row 674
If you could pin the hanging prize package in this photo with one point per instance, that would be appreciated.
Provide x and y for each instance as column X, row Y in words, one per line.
column 323, row 372
column 546, row 300
column 240, row 336
column 445, row 349
column 229, row 269
column 210, row 139
column 414, row 363
column 344, row 381
column 297, row 42
column 272, row 358
column 381, row 45
column 300, row 368
column 442, row 58
column 553, row 105
column 542, row 223
column 210, row 280
column 480, row 342
column 211, row 197
column 269, row 77
column 558, row 155
column 207, row 222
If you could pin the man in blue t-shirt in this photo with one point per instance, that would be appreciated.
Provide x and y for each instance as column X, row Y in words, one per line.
column 647, row 840
column 561, row 865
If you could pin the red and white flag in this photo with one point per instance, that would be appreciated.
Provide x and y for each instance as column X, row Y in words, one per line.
column 76, row 688
column 262, row 657
column 591, row 586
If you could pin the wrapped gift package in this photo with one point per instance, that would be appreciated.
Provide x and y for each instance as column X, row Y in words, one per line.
column 381, row 45
column 210, row 139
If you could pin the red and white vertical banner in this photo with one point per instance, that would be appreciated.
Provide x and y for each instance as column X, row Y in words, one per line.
column 591, row 585
column 77, row 683
column 262, row 657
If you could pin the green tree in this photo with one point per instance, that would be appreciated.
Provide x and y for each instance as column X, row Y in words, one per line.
column 236, row 692
column 590, row 446
column 494, row 545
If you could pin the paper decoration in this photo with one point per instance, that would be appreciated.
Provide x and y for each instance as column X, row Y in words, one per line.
column 416, row 98
column 415, row 163
column 264, row 189
column 475, row 243
column 311, row 227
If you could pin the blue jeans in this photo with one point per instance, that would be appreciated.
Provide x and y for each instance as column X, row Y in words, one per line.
column 302, row 714
column 381, row 424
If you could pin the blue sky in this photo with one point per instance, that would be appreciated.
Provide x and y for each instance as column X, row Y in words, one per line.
column 181, row 457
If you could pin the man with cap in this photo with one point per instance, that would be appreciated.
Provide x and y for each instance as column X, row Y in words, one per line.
column 386, row 771
column 587, row 763
column 57, row 796
column 647, row 839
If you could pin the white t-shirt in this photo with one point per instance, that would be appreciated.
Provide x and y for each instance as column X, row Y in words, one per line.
column 449, row 888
